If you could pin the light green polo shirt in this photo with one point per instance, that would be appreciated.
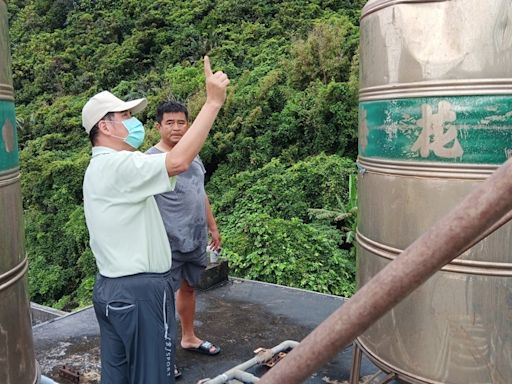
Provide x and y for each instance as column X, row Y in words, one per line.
column 126, row 232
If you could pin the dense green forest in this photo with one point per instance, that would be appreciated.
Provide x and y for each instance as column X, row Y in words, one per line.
column 279, row 159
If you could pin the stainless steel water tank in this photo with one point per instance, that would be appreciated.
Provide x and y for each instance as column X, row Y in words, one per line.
column 435, row 120
column 17, row 361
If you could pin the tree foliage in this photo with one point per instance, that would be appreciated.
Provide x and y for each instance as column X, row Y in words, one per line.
column 289, row 252
column 281, row 144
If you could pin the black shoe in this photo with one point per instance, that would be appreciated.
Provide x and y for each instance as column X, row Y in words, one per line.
column 177, row 372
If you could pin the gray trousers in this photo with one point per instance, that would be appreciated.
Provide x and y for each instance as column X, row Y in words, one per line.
column 137, row 328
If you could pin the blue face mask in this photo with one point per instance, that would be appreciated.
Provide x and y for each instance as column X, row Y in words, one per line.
column 135, row 129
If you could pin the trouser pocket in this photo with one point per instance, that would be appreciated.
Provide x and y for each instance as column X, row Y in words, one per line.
column 119, row 307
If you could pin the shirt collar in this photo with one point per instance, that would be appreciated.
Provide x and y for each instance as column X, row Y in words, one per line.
column 96, row 151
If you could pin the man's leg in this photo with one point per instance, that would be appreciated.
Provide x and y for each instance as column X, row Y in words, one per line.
column 154, row 357
column 186, row 307
column 142, row 315
column 114, row 366
column 188, row 273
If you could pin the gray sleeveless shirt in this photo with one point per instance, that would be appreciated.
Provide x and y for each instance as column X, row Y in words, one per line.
column 183, row 210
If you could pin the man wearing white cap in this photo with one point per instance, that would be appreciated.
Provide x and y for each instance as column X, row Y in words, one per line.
column 133, row 298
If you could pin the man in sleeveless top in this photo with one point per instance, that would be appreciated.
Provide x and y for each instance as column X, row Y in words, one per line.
column 188, row 218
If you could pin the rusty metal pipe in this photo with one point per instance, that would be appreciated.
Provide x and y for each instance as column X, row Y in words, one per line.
column 449, row 237
column 501, row 222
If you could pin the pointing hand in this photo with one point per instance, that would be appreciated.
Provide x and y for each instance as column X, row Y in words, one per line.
column 216, row 84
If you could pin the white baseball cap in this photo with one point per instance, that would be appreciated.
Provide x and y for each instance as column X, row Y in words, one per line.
column 104, row 102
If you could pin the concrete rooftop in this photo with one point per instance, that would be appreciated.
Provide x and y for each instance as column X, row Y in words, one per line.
column 239, row 316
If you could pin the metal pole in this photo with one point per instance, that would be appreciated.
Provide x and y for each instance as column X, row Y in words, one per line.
column 489, row 203
column 355, row 371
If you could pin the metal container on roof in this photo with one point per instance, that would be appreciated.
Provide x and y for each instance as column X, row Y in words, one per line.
column 436, row 120
column 17, row 360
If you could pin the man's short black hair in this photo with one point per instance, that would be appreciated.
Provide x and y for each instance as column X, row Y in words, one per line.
column 93, row 133
column 170, row 107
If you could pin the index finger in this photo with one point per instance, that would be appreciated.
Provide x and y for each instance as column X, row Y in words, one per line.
column 207, row 68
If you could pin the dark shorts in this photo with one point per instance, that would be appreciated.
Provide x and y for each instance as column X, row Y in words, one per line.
column 137, row 327
column 188, row 266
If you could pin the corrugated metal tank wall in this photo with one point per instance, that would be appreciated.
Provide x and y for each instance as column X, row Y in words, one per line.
column 17, row 361
column 436, row 120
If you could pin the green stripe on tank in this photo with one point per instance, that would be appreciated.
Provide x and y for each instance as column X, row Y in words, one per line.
column 8, row 137
column 457, row 129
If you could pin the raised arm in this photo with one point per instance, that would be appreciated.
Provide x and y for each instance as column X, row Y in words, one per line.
column 180, row 157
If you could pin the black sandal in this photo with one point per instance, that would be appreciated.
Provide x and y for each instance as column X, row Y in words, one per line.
column 177, row 372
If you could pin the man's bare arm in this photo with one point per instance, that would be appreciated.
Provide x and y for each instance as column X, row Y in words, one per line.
column 216, row 241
